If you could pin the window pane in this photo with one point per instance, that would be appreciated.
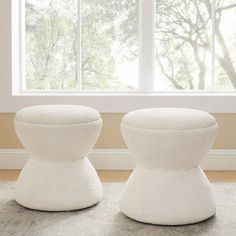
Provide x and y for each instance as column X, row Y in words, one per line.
column 109, row 44
column 183, row 49
column 50, row 44
column 225, row 35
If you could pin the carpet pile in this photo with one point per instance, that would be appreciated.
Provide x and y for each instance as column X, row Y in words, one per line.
column 105, row 219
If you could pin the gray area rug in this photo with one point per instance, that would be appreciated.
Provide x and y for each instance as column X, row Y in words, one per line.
column 105, row 218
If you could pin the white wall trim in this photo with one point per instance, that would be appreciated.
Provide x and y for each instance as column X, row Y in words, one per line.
column 121, row 159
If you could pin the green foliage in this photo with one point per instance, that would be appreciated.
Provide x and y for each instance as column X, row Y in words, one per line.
column 109, row 35
column 109, row 44
column 105, row 25
column 50, row 46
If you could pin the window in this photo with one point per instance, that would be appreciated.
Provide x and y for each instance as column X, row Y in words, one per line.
column 128, row 45
column 195, row 45
column 118, row 56
column 183, row 45
column 81, row 45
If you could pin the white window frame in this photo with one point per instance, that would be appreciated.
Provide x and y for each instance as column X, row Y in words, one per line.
column 115, row 102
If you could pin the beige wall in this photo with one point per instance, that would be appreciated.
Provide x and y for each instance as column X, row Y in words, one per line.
column 111, row 137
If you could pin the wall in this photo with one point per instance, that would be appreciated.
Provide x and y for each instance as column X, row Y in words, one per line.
column 111, row 136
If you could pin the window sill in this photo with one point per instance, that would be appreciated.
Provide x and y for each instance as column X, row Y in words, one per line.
column 120, row 103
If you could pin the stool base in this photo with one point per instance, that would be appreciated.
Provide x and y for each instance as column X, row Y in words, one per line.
column 52, row 185
column 168, row 197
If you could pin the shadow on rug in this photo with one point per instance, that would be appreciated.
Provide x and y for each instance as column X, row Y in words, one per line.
column 105, row 218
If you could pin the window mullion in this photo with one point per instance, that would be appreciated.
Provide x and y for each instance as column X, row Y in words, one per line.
column 78, row 54
column 146, row 51
column 16, row 47
column 22, row 47
column 213, row 19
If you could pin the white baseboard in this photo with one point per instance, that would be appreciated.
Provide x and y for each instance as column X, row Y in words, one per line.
column 121, row 159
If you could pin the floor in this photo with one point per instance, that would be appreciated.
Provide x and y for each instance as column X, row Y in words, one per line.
column 122, row 176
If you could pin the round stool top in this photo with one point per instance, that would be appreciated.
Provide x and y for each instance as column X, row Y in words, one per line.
column 169, row 119
column 57, row 114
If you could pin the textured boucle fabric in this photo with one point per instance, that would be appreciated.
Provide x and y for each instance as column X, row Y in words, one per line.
column 168, row 197
column 58, row 141
column 58, row 185
column 168, row 149
column 169, row 119
column 168, row 187
column 57, row 114
column 58, row 176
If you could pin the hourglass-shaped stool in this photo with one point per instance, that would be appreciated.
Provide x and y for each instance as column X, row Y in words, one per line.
column 168, row 187
column 58, row 176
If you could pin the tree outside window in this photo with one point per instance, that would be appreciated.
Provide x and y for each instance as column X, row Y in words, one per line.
column 94, row 45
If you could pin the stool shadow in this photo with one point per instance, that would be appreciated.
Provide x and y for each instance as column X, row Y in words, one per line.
column 141, row 228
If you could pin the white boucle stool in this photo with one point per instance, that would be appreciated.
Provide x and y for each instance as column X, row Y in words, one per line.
column 168, row 187
column 58, row 176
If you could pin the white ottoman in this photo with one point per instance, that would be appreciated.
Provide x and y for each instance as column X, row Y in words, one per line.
column 58, row 176
column 168, row 186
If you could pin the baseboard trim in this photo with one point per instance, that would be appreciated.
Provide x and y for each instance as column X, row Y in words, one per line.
column 121, row 159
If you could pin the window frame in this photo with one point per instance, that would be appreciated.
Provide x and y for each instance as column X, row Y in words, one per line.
column 112, row 101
